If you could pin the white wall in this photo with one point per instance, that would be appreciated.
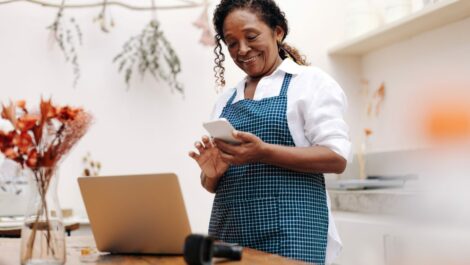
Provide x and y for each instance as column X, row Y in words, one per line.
column 147, row 128
column 417, row 72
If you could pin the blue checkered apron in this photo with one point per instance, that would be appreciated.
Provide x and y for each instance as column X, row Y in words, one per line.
column 265, row 207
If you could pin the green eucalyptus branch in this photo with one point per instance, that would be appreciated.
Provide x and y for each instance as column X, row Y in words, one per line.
column 150, row 52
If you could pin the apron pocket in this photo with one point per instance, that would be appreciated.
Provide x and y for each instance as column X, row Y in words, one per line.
column 253, row 223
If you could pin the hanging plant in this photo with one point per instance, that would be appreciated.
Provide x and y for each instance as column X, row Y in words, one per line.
column 150, row 52
column 102, row 20
column 68, row 35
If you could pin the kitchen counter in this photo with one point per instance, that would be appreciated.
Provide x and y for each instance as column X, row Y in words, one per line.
column 375, row 201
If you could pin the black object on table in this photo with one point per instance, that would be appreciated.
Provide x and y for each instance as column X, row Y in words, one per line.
column 200, row 249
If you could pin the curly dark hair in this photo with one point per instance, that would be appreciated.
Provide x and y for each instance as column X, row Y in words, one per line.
column 269, row 12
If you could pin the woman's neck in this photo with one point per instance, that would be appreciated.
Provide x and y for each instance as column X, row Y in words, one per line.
column 252, row 82
column 255, row 79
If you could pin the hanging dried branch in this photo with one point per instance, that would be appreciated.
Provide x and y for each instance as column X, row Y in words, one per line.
column 101, row 19
column 150, row 52
column 68, row 35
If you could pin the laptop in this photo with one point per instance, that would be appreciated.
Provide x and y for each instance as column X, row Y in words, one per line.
column 136, row 214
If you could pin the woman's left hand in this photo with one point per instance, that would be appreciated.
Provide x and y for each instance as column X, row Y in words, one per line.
column 251, row 150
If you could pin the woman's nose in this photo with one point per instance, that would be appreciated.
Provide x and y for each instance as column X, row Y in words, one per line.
column 244, row 48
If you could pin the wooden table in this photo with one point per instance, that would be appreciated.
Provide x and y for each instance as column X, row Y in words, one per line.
column 16, row 232
column 10, row 249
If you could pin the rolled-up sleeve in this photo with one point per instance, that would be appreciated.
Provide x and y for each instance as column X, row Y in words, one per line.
column 324, row 123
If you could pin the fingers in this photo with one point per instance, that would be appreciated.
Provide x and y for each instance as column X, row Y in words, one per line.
column 207, row 141
column 225, row 147
column 193, row 155
column 201, row 147
column 244, row 136
column 227, row 158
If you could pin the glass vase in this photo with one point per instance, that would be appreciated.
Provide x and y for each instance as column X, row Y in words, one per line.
column 43, row 233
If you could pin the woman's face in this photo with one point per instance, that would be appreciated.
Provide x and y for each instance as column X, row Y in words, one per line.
column 252, row 44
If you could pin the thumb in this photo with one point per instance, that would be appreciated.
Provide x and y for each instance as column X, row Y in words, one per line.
column 244, row 136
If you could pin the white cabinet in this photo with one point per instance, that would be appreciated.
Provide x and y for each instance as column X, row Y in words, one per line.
column 436, row 15
column 364, row 237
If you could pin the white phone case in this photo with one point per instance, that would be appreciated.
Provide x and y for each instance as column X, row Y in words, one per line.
column 221, row 129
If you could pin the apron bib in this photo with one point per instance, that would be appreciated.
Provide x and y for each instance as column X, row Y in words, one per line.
column 265, row 207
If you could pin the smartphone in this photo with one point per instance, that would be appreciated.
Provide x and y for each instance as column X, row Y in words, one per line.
column 221, row 129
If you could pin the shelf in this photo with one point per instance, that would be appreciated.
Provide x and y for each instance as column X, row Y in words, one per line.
column 434, row 16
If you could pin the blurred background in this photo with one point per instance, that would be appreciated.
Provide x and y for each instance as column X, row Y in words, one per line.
column 403, row 64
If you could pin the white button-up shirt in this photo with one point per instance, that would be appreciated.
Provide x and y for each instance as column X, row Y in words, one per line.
column 315, row 107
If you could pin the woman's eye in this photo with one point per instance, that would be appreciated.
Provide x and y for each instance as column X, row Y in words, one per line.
column 231, row 44
column 252, row 37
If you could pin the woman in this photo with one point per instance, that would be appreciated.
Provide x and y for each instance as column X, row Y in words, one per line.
column 269, row 191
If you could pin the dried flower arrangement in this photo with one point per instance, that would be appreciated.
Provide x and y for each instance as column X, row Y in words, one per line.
column 42, row 139
column 375, row 102
column 149, row 51
column 38, row 142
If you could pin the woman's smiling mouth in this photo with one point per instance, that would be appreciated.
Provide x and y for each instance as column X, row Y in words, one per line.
column 249, row 60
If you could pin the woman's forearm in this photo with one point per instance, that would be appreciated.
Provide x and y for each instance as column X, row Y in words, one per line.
column 315, row 159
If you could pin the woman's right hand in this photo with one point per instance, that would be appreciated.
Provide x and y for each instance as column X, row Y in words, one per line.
column 210, row 161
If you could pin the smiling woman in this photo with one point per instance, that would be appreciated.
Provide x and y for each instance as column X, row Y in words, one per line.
column 270, row 190
column 265, row 21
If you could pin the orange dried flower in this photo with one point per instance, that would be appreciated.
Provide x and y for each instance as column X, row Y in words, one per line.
column 23, row 142
column 27, row 122
column 6, row 140
column 9, row 113
column 21, row 104
column 47, row 110
column 11, row 153
column 67, row 113
column 379, row 95
column 32, row 159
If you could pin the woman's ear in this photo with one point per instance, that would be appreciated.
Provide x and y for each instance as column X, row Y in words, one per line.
column 279, row 34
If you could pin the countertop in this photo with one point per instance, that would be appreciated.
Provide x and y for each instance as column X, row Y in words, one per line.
column 375, row 201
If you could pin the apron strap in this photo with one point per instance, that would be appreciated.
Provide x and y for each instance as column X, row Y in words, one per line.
column 229, row 102
column 285, row 84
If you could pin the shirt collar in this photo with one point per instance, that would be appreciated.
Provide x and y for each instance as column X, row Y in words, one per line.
column 289, row 66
